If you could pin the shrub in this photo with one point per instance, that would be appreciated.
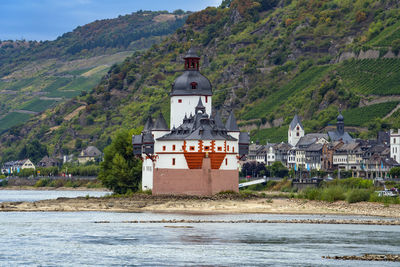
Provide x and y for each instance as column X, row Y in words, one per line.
column 358, row 195
column 42, row 182
column 333, row 193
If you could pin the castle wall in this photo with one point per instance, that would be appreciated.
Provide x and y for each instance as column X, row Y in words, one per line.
column 204, row 181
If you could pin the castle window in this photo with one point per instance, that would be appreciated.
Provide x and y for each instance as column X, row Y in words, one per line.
column 164, row 148
column 173, row 147
column 298, row 128
column 191, row 148
column 194, row 85
column 297, row 134
column 173, row 161
column 394, row 140
column 228, row 148
column 226, row 161
column 179, row 100
column 206, row 99
column 233, row 149
column 219, row 148
column 206, row 148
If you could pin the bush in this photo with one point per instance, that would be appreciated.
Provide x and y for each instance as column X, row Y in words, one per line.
column 333, row 193
column 42, row 182
column 358, row 195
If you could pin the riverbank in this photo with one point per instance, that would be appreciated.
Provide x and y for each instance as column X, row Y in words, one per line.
column 205, row 205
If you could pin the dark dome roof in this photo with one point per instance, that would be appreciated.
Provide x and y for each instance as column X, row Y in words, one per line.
column 183, row 84
column 340, row 117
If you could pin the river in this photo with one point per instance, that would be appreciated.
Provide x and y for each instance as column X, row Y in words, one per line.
column 36, row 195
column 78, row 239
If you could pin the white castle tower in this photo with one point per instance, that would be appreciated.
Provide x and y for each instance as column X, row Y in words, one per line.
column 296, row 131
column 184, row 101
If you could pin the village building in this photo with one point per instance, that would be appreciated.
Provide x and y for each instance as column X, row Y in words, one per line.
column 395, row 145
column 90, row 154
column 47, row 162
column 198, row 154
column 14, row 167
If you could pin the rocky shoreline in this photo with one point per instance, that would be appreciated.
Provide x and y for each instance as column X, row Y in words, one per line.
column 218, row 204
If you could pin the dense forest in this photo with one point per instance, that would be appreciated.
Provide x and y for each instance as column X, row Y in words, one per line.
column 266, row 59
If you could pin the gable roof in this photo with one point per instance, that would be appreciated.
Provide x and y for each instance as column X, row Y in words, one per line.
column 296, row 120
column 90, row 151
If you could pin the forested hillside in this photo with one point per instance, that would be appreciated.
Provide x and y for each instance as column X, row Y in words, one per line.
column 37, row 75
column 266, row 59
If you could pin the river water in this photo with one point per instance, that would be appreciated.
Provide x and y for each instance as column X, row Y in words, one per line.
column 35, row 195
column 77, row 239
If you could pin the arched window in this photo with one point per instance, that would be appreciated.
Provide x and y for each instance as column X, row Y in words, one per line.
column 194, row 85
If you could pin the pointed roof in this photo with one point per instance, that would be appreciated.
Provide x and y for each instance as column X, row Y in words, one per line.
column 192, row 53
column 340, row 117
column 200, row 106
column 231, row 124
column 161, row 124
column 218, row 121
column 148, row 126
column 296, row 120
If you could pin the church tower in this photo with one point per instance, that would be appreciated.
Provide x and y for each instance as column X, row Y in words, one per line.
column 187, row 89
column 296, row 131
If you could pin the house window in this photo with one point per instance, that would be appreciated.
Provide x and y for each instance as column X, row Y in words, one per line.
column 179, row 100
column 394, row 140
column 219, row 148
column 206, row 148
column 194, row 85
column 164, row 148
column 191, row 148
column 173, row 162
column 173, row 147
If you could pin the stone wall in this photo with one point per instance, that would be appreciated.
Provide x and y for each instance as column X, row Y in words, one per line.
column 204, row 181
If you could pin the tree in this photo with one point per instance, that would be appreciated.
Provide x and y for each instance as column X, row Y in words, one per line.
column 121, row 171
column 34, row 151
column 278, row 170
column 395, row 172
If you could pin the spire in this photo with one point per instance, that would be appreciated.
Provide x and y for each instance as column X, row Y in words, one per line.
column 218, row 121
column 296, row 120
column 148, row 126
column 200, row 107
column 231, row 124
column 161, row 124
column 192, row 60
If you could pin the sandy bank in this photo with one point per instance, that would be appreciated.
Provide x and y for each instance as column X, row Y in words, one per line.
column 208, row 205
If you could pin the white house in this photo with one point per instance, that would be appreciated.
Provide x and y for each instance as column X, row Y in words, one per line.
column 395, row 145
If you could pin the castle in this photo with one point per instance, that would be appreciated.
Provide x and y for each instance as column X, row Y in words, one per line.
column 198, row 154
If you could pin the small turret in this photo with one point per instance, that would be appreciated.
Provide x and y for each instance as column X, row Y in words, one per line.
column 200, row 107
column 231, row 124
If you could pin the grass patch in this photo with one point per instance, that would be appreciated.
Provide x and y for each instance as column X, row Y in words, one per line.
column 371, row 76
column 363, row 115
column 38, row 105
column 272, row 135
column 13, row 119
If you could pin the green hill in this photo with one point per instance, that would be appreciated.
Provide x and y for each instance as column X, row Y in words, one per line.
column 266, row 59
column 74, row 62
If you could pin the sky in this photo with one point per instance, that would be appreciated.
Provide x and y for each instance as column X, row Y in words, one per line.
column 48, row 19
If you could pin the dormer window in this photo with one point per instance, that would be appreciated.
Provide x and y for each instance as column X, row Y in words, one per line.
column 194, row 85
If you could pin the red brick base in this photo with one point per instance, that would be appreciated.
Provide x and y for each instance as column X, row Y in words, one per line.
column 204, row 181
